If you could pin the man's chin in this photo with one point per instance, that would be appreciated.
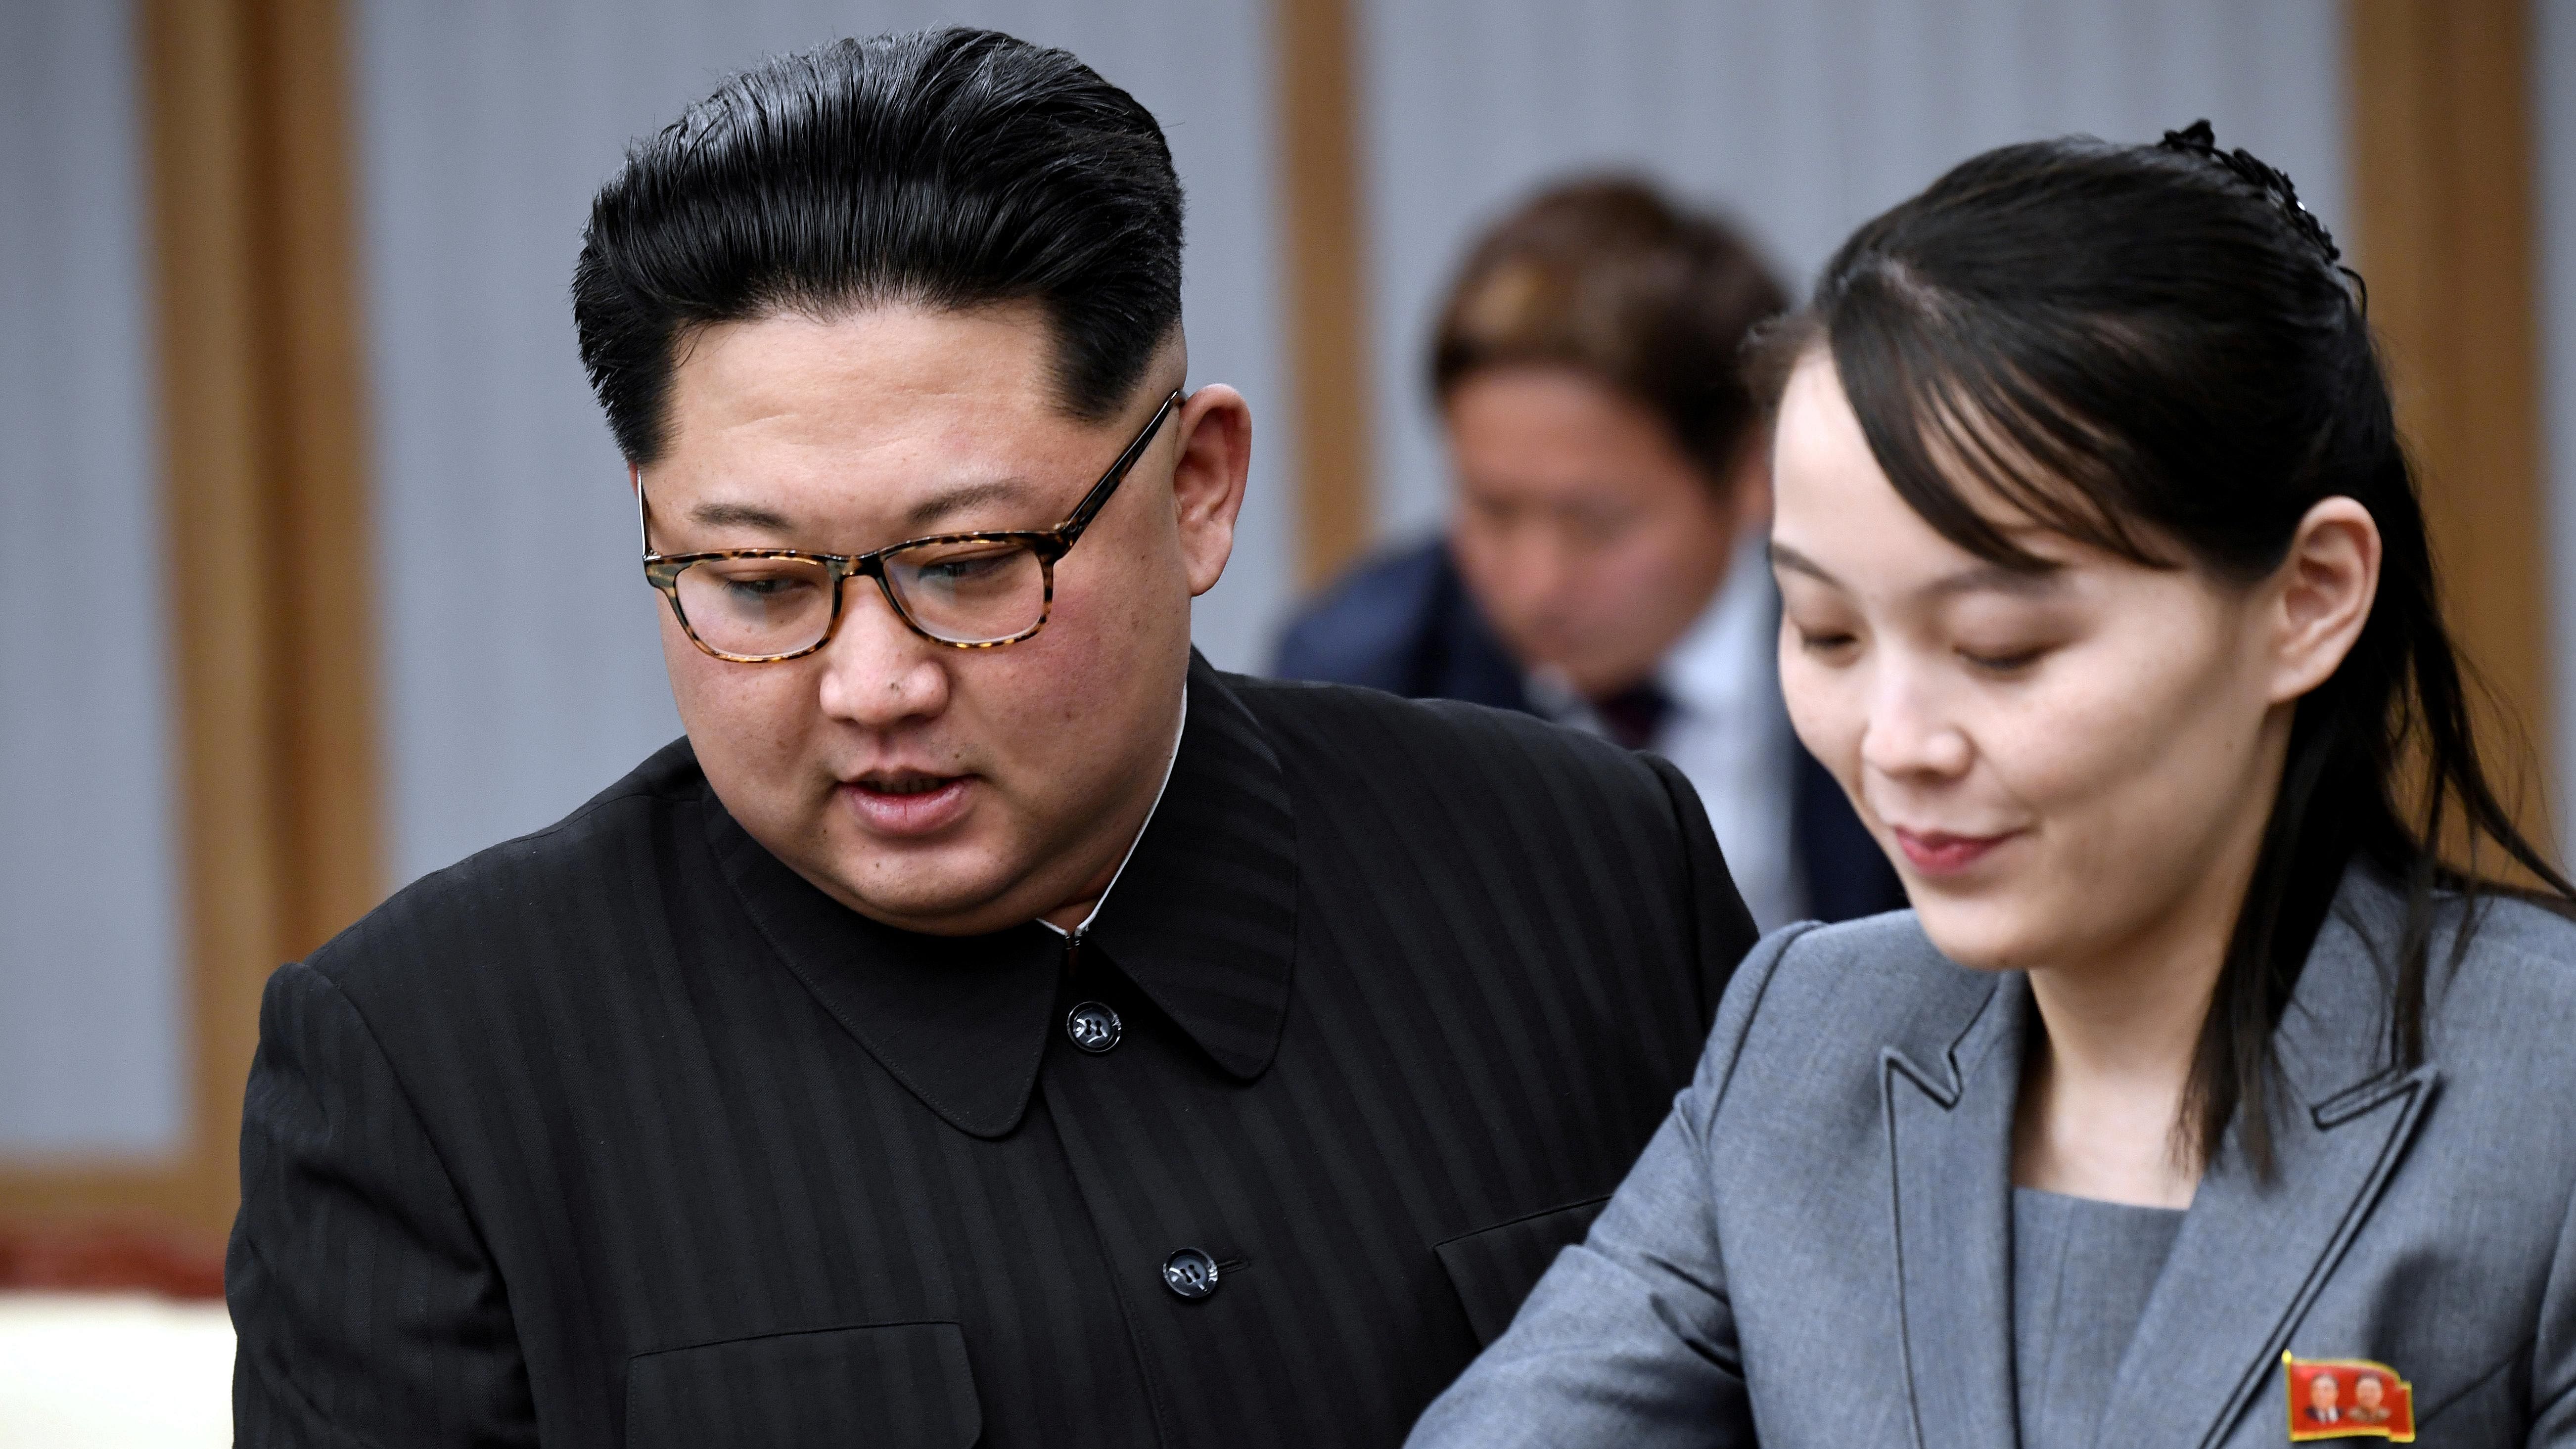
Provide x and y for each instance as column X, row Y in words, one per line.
column 964, row 894
column 1584, row 673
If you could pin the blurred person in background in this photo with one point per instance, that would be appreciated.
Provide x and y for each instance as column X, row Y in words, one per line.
column 1603, row 564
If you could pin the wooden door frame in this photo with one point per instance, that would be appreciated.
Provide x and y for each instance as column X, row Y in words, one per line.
column 261, row 392
column 2443, row 171
column 1323, row 212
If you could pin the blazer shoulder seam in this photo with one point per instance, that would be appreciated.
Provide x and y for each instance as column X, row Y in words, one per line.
column 595, row 805
column 1769, row 971
column 489, row 857
column 410, row 1101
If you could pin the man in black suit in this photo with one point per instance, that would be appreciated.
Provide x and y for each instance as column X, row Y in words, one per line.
column 1603, row 564
column 991, row 1024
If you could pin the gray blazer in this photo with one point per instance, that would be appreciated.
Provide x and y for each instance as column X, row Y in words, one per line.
column 1816, row 1247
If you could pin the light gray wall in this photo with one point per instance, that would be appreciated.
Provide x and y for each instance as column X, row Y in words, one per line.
column 91, row 1055
column 1801, row 118
column 521, row 670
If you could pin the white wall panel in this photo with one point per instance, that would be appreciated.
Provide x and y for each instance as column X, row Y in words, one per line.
column 521, row 670
column 1801, row 118
column 90, row 1039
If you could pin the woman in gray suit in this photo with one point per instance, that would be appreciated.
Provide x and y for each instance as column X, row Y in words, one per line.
column 2108, row 601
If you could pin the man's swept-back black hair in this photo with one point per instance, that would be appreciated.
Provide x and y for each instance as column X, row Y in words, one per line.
column 2151, row 349
column 949, row 169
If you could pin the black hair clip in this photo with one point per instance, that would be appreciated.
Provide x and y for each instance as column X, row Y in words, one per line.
column 2197, row 139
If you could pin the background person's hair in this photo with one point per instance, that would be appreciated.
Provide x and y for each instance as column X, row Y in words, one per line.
column 949, row 169
column 2140, row 348
column 1607, row 277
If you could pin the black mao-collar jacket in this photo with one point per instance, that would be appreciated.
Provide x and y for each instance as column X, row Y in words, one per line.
column 622, row 1133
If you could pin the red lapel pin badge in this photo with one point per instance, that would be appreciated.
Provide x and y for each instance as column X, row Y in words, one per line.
column 2348, row 1398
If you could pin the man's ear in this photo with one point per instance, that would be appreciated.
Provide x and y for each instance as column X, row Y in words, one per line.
column 1215, row 428
column 2322, row 595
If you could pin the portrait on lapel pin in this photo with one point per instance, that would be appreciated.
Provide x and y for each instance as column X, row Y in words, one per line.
column 2347, row 1398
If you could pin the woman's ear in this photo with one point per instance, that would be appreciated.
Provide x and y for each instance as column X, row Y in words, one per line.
column 2322, row 594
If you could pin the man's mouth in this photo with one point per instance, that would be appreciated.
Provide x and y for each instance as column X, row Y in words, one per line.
column 902, row 782
column 907, row 802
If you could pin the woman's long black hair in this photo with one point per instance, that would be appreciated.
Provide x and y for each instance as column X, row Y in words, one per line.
column 2152, row 350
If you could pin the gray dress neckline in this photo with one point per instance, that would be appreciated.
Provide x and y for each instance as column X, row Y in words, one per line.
column 2082, row 1271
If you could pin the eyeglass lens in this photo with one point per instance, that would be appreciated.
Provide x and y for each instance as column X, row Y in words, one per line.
column 969, row 592
column 961, row 592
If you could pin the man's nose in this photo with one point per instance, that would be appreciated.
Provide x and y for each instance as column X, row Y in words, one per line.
column 877, row 672
column 1538, row 572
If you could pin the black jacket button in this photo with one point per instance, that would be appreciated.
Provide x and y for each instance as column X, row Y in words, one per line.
column 1190, row 1273
column 1093, row 1027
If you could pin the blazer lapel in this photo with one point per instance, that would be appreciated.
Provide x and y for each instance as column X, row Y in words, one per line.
column 1949, row 1096
column 2251, row 1257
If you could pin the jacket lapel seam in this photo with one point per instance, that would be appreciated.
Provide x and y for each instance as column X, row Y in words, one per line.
column 1925, row 1080
column 1893, row 1064
column 2357, row 1100
column 1898, row 1064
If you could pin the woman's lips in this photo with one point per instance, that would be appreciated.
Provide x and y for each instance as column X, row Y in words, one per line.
column 1939, row 853
column 908, row 812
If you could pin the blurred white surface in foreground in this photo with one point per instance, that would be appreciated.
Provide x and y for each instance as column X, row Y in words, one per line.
column 112, row 1370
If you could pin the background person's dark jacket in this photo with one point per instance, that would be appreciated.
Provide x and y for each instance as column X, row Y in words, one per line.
column 623, row 1134
column 1405, row 623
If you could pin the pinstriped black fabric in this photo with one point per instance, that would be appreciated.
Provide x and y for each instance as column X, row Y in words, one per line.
column 621, row 1134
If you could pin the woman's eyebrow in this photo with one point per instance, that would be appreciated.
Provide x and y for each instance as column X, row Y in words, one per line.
column 1977, row 578
column 1785, row 557
column 1995, row 578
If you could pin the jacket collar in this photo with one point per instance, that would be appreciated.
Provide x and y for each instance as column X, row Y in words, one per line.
column 1203, row 922
column 2250, row 1256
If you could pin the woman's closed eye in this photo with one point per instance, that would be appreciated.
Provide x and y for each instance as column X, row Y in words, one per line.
column 1826, row 642
column 2007, row 661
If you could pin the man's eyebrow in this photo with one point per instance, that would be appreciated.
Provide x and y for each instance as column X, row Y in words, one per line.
column 740, row 515
column 944, row 504
column 953, row 501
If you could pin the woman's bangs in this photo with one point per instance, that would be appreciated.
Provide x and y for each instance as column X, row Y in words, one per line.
column 1973, row 444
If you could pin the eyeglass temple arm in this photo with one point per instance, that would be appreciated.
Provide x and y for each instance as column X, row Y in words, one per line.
column 1109, row 481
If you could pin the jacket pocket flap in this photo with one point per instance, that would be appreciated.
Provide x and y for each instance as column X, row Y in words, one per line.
column 877, row 1383
column 1494, row 1268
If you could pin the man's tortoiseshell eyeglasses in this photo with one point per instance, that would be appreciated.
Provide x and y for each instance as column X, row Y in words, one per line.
column 964, row 590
